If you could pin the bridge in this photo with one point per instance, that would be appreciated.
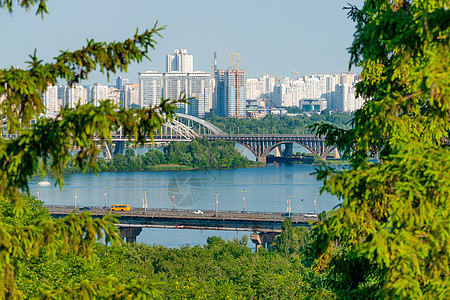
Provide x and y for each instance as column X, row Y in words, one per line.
column 262, row 144
column 259, row 145
column 263, row 225
column 186, row 128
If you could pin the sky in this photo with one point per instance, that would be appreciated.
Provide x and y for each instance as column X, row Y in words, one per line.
column 274, row 37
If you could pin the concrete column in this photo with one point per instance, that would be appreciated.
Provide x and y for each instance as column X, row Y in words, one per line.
column 129, row 233
column 120, row 147
column 277, row 151
column 263, row 239
column 336, row 154
column 106, row 152
column 288, row 149
column 261, row 158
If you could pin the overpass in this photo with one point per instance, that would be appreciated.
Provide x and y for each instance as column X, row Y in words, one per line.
column 262, row 144
column 185, row 128
column 263, row 225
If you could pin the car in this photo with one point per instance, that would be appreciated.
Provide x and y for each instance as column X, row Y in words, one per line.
column 286, row 215
column 310, row 215
column 198, row 212
column 85, row 208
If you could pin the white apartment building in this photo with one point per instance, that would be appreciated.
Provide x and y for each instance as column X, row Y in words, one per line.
column 129, row 96
column 255, row 88
column 97, row 92
column 150, row 88
column 74, row 95
column 172, row 85
column 286, row 93
column 180, row 61
column 346, row 100
column 199, row 88
column 114, row 95
column 50, row 99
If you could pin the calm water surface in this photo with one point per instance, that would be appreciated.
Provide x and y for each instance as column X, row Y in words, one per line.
column 267, row 189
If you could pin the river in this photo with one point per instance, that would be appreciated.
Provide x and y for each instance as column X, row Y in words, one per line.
column 267, row 189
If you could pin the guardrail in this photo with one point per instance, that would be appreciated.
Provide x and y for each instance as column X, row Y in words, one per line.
column 182, row 213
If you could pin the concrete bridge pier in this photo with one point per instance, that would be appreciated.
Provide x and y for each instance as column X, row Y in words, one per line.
column 262, row 239
column 277, row 151
column 288, row 149
column 129, row 234
column 120, row 148
column 336, row 153
column 261, row 158
column 107, row 152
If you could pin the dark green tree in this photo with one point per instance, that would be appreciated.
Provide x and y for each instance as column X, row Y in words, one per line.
column 390, row 238
column 53, row 139
column 284, row 242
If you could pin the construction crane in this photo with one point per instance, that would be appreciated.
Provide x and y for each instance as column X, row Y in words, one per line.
column 295, row 74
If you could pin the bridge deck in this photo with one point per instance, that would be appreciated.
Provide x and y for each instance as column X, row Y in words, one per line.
column 186, row 219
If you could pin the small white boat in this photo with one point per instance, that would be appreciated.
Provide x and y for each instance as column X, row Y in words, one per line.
column 45, row 183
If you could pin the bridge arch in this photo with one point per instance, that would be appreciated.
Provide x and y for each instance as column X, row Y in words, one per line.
column 212, row 128
column 270, row 148
column 327, row 152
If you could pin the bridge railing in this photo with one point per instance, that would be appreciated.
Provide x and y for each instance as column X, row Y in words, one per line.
column 173, row 212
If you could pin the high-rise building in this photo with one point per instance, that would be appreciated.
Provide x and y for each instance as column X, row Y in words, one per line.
column 120, row 82
column 199, row 88
column 174, row 85
column 97, row 92
column 254, row 88
column 150, row 88
column 346, row 100
column 230, row 93
column 114, row 95
column 180, row 62
column 50, row 99
column 179, row 80
column 74, row 95
column 129, row 96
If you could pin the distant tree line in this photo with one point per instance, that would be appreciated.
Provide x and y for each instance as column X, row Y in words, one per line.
column 276, row 124
column 199, row 154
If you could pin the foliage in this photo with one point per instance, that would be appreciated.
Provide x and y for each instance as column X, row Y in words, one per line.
column 44, row 139
column 390, row 238
column 199, row 154
column 291, row 240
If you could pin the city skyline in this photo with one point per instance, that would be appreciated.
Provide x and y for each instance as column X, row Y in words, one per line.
column 309, row 38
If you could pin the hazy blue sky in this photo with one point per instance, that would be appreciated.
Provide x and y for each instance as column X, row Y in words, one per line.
column 274, row 37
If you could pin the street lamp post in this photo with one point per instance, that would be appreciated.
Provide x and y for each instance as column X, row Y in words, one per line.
column 106, row 189
column 301, row 205
column 243, row 200
column 315, row 210
column 144, row 204
column 75, row 205
column 217, row 202
column 173, row 198
column 289, row 204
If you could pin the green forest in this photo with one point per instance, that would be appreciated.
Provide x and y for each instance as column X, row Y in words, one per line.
column 197, row 154
column 388, row 239
column 219, row 269
column 276, row 124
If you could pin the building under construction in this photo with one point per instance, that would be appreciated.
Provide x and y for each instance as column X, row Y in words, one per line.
column 230, row 93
